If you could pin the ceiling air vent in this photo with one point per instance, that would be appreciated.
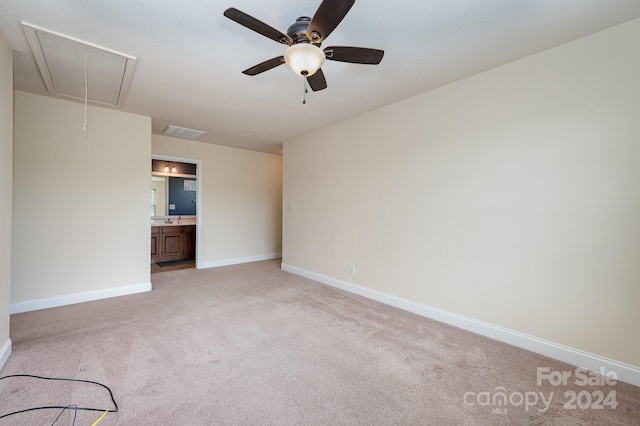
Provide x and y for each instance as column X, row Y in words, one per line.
column 181, row 132
column 65, row 62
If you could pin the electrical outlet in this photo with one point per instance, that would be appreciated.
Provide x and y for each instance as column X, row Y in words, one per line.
column 275, row 244
column 352, row 269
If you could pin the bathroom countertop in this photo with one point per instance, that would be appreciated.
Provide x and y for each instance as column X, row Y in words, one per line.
column 174, row 222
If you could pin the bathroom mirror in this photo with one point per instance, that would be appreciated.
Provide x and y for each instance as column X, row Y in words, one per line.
column 173, row 192
column 158, row 196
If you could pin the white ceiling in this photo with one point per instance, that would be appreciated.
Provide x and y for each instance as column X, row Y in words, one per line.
column 190, row 57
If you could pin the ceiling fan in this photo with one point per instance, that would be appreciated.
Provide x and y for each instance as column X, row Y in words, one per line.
column 304, row 37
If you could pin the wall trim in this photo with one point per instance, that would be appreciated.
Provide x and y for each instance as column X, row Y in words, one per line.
column 238, row 260
column 70, row 299
column 626, row 373
column 4, row 353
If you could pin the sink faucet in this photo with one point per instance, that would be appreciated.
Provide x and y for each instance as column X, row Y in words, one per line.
column 168, row 221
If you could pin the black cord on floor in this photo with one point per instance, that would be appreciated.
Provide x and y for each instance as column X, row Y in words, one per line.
column 62, row 407
column 75, row 414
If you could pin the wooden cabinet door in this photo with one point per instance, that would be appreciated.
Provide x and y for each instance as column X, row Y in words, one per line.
column 155, row 241
column 171, row 241
column 189, row 241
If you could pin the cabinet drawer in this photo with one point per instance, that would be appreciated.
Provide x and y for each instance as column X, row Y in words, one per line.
column 172, row 230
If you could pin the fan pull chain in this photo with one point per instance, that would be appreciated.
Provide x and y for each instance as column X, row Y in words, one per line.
column 306, row 90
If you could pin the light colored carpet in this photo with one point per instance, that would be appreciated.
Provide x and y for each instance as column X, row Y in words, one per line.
column 253, row 345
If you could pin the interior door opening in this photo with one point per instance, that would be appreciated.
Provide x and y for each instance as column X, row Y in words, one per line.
column 174, row 208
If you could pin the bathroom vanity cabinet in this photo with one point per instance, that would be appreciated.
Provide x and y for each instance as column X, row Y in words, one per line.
column 173, row 242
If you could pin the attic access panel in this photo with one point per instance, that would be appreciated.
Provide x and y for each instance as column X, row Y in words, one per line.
column 61, row 60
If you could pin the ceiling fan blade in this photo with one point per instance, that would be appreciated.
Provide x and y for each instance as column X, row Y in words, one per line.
column 257, row 26
column 317, row 81
column 354, row 55
column 329, row 14
column 264, row 66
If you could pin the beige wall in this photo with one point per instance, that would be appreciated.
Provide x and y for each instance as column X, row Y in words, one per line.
column 241, row 200
column 81, row 199
column 511, row 197
column 6, row 158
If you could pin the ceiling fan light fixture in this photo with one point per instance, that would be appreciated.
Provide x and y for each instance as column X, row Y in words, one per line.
column 304, row 58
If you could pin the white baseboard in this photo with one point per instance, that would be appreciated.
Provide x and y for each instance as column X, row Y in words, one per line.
column 624, row 372
column 238, row 260
column 70, row 299
column 4, row 353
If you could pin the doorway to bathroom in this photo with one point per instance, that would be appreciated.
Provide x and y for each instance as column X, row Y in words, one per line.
column 174, row 211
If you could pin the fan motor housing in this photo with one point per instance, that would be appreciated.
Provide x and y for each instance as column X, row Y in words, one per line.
column 298, row 30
